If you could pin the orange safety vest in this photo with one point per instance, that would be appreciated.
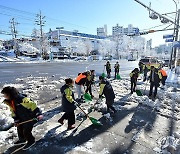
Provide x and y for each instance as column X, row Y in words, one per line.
column 13, row 105
column 81, row 76
column 163, row 72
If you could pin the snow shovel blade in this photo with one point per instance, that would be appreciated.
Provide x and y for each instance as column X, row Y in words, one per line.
column 103, row 75
column 139, row 93
column 95, row 121
column 118, row 77
column 87, row 97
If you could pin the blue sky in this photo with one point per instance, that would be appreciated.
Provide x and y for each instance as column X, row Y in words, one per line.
column 84, row 15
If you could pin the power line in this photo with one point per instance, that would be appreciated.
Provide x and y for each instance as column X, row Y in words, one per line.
column 33, row 14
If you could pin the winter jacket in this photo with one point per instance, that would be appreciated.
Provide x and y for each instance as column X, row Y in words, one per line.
column 23, row 108
column 134, row 75
column 156, row 77
column 163, row 72
column 107, row 90
column 108, row 67
column 67, row 99
column 116, row 67
column 81, row 79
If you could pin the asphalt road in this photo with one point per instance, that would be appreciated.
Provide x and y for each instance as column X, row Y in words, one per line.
column 9, row 72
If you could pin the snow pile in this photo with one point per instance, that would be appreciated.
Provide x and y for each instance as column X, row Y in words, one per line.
column 142, row 100
column 101, row 106
column 5, row 116
column 27, row 47
column 6, row 137
column 108, row 117
column 169, row 144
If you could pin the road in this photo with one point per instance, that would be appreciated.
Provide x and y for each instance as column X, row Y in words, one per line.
column 9, row 72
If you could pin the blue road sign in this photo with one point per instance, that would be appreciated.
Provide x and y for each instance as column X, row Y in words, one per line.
column 176, row 44
column 167, row 36
column 169, row 40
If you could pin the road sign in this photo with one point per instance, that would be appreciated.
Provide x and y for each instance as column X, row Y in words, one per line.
column 167, row 36
column 169, row 40
column 176, row 44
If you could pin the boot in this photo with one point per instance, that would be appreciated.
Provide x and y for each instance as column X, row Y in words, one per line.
column 71, row 127
column 61, row 121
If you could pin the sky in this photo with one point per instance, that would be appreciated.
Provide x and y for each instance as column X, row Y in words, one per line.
column 84, row 15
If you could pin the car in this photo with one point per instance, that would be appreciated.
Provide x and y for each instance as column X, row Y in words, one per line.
column 150, row 61
column 166, row 62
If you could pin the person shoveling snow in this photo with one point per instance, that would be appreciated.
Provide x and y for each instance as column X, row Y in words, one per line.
column 68, row 104
column 25, row 114
column 107, row 90
column 134, row 75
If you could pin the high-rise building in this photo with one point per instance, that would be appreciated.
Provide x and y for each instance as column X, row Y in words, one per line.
column 119, row 30
column 102, row 31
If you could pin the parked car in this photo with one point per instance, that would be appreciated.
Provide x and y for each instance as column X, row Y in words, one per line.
column 166, row 62
column 150, row 61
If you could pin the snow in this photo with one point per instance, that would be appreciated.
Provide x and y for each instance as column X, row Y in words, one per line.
column 32, row 86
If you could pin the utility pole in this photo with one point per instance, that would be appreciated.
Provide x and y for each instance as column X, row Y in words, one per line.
column 14, row 35
column 176, row 37
column 40, row 22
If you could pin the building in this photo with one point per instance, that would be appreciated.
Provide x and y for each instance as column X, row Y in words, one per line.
column 74, row 42
column 119, row 30
column 164, row 49
column 102, row 31
column 149, row 44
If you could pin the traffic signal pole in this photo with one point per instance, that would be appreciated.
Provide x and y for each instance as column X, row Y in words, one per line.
column 176, row 39
column 173, row 58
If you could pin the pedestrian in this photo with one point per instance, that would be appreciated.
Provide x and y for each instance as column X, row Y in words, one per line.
column 81, row 81
column 92, row 76
column 116, row 67
column 107, row 90
column 145, row 70
column 68, row 104
column 155, row 77
column 134, row 76
column 164, row 76
column 141, row 67
column 108, row 69
column 23, row 109
column 89, row 82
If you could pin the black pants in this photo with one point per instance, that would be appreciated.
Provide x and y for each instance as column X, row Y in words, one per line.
column 163, row 80
column 109, row 105
column 133, row 85
column 116, row 73
column 70, row 116
column 25, row 132
column 145, row 77
column 89, row 89
column 153, row 85
column 108, row 73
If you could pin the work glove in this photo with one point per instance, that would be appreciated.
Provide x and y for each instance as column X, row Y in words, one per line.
column 100, row 96
column 16, row 123
column 40, row 117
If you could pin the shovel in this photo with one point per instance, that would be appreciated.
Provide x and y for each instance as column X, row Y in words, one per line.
column 87, row 97
column 103, row 74
column 118, row 77
column 139, row 93
column 93, row 120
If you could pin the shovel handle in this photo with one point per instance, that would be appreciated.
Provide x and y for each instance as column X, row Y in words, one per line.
column 24, row 122
column 82, row 110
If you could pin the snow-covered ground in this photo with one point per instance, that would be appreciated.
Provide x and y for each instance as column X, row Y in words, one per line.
column 45, row 91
